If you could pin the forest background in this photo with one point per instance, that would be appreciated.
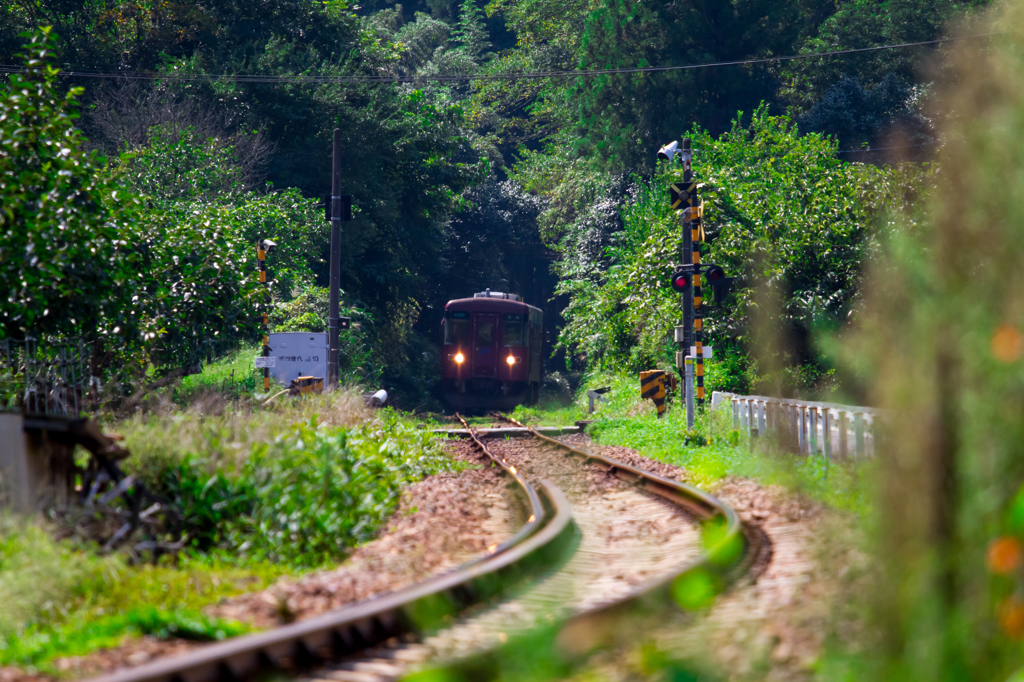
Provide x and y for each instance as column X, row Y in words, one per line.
column 143, row 242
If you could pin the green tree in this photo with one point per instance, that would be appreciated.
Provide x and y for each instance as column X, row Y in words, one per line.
column 471, row 32
column 781, row 213
column 62, row 228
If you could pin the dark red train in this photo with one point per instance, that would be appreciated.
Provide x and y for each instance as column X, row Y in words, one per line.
column 491, row 355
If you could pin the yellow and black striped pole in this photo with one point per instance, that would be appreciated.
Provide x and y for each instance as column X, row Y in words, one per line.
column 261, row 257
column 697, row 237
column 683, row 193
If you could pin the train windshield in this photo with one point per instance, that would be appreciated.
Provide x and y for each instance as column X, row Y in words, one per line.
column 457, row 329
column 512, row 331
column 484, row 333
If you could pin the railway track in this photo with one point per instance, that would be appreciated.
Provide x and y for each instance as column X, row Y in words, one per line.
column 603, row 541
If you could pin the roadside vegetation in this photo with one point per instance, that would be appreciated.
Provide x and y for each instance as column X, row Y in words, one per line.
column 712, row 451
column 264, row 491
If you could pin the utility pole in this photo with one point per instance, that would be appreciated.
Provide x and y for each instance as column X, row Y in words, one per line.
column 339, row 209
column 332, row 319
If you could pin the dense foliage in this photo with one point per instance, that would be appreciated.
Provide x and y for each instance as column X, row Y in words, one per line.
column 272, row 487
column 59, row 239
column 427, row 163
column 791, row 222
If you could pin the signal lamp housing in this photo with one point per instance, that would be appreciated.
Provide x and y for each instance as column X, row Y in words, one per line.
column 681, row 280
column 714, row 274
column 718, row 282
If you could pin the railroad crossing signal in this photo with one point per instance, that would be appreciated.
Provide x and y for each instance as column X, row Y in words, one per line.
column 720, row 284
column 690, row 278
column 679, row 193
column 681, row 280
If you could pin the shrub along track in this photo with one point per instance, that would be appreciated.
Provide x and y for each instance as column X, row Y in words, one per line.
column 635, row 537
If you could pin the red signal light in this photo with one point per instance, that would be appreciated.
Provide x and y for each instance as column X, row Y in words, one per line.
column 681, row 280
column 715, row 274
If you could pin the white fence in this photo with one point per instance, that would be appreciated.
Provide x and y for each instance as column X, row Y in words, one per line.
column 836, row 431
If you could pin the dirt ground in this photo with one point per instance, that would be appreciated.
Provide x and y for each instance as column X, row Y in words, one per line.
column 774, row 623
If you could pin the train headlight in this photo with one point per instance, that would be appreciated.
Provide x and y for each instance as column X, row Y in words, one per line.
column 459, row 357
column 511, row 361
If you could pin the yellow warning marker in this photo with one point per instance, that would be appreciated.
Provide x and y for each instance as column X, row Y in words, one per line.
column 653, row 386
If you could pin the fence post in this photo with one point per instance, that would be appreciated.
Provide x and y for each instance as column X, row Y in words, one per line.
column 791, row 415
column 858, row 433
column 812, row 412
column 873, row 432
column 826, row 434
column 843, row 449
column 735, row 413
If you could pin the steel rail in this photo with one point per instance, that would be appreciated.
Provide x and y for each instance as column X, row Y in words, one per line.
column 369, row 623
column 597, row 626
column 694, row 499
column 536, row 508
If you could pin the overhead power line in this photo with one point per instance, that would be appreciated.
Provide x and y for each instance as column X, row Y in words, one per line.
column 885, row 149
column 447, row 78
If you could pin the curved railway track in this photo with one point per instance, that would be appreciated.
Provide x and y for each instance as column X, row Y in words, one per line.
column 392, row 617
column 617, row 551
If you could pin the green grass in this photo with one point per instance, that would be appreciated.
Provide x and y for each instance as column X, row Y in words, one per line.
column 38, row 648
column 231, row 376
column 626, row 421
column 265, row 491
column 62, row 600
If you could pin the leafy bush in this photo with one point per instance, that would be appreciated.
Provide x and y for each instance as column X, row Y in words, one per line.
column 266, row 489
column 153, row 260
column 313, row 496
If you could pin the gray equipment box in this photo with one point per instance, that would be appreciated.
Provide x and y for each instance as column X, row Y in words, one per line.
column 298, row 354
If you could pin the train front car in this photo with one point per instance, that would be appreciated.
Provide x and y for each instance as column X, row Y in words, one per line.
column 491, row 354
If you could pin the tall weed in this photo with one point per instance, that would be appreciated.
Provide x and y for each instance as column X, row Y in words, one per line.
column 943, row 341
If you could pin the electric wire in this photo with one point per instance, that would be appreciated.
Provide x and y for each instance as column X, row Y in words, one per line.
column 445, row 78
column 884, row 149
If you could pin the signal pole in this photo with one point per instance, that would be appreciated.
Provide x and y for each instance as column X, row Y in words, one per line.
column 688, row 278
column 683, row 332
